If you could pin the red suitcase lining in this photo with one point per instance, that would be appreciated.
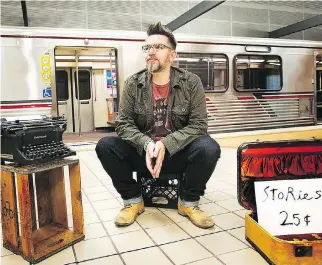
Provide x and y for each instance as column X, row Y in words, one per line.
column 281, row 161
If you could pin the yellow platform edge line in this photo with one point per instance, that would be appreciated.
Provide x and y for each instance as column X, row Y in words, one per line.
column 235, row 141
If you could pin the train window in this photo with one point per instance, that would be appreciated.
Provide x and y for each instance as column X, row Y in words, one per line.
column 319, row 87
column 319, row 73
column 84, row 80
column 258, row 72
column 211, row 68
column 62, row 85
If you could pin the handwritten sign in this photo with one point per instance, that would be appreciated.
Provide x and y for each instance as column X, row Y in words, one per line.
column 287, row 207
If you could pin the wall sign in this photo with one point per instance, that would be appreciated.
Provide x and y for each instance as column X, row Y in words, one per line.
column 46, row 93
column 45, row 68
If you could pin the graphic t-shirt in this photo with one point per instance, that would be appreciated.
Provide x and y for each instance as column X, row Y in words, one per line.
column 161, row 126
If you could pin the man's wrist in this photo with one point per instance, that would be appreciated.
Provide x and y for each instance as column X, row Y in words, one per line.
column 161, row 143
column 147, row 143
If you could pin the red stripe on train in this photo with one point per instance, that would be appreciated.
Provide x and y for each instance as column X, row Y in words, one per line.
column 287, row 96
column 25, row 106
column 274, row 97
column 245, row 97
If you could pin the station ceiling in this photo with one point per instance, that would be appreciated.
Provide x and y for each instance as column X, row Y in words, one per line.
column 227, row 18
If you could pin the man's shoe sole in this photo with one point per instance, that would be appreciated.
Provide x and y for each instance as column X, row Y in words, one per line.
column 200, row 226
column 127, row 224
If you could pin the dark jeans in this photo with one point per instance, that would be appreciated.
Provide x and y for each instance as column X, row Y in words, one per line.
column 197, row 161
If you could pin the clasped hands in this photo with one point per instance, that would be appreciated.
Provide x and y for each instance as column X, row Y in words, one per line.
column 154, row 157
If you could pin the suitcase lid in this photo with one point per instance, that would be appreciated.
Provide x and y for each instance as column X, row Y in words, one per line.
column 279, row 160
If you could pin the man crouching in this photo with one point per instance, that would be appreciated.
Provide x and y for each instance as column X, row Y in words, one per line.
column 162, row 118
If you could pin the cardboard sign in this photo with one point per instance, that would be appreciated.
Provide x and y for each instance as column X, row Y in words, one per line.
column 288, row 207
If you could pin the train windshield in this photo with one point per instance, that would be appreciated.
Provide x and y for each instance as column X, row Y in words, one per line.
column 258, row 72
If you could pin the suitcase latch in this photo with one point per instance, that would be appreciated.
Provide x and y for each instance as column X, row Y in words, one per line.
column 303, row 251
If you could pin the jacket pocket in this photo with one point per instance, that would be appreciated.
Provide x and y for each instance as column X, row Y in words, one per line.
column 139, row 109
column 180, row 115
column 140, row 116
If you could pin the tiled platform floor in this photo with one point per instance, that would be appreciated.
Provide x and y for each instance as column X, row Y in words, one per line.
column 159, row 237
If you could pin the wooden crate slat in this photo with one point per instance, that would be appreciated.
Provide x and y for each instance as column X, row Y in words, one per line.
column 32, row 202
column 38, row 167
column 58, row 196
column 9, row 211
column 60, row 239
column 25, row 215
column 46, row 232
column 43, row 197
column 76, row 196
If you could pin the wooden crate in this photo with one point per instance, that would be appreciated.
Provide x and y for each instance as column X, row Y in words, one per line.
column 53, row 235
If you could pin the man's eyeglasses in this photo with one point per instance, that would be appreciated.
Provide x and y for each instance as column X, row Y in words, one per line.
column 156, row 47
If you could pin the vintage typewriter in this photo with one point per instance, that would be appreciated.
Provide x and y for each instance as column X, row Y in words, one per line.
column 33, row 141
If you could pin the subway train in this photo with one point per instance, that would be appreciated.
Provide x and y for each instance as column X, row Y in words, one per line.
column 249, row 83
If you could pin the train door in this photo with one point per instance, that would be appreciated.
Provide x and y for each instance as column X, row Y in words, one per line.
column 318, row 87
column 64, row 97
column 85, row 98
column 83, row 103
column 69, row 100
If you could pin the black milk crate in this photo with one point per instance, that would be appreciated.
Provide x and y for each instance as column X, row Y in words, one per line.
column 162, row 192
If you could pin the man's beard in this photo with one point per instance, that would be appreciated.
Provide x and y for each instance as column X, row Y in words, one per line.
column 154, row 66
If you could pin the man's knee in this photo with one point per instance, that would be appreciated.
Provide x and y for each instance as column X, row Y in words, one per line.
column 213, row 149
column 208, row 148
column 104, row 144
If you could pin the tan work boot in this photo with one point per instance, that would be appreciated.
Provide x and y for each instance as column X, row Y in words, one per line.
column 196, row 215
column 129, row 213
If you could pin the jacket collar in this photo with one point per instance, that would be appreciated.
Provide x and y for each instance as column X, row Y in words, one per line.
column 176, row 75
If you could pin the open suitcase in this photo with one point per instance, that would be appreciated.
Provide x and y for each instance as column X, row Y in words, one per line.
column 272, row 161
